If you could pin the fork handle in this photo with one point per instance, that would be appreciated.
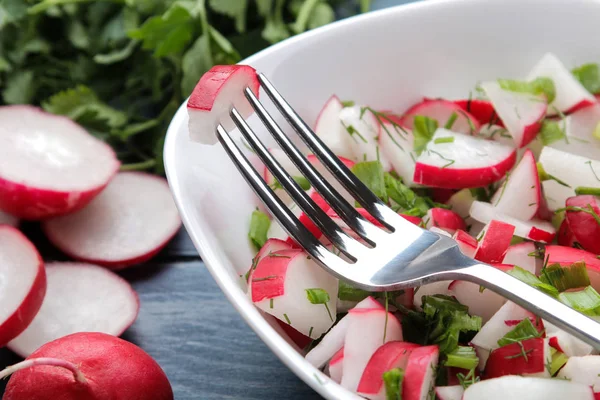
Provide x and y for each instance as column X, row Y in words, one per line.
column 539, row 303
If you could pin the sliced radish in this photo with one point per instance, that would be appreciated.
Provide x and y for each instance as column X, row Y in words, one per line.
column 482, row 110
column 565, row 236
column 567, row 255
column 441, row 111
column 484, row 304
column 579, row 128
column 527, row 388
column 521, row 194
column 570, row 93
column 444, row 219
column 305, row 219
column 466, row 162
column 364, row 139
column 584, row 227
column 521, row 113
column 419, row 375
column 367, row 330
column 566, row 343
column 336, row 366
column 333, row 341
column 466, row 243
column 526, row 358
column 279, row 285
column 330, row 129
column 397, row 145
column 582, row 370
column 387, row 357
column 496, row 133
column 213, row 97
column 127, row 224
column 460, row 202
column 80, row 298
column 430, row 289
column 22, row 283
column 439, row 231
column 494, row 242
column 7, row 219
column 524, row 256
column 49, row 165
column 271, row 246
column 449, row 392
column 536, row 230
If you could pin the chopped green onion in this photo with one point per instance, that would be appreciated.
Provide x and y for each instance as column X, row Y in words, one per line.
column 287, row 319
column 468, row 380
column 532, row 280
column 522, row 331
column 558, row 360
column 538, row 86
column 348, row 103
column 567, row 277
column 423, row 131
column 451, row 121
column 516, row 240
column 586, row 301
column 589, row 76
column 271, row 303
column 371, row 174
column 392, row 380
column 259, row 226
column 447, row 139
column 349, row 293
column 463, row 357
column 544, row 176
column 579, row 190
column 551, row 132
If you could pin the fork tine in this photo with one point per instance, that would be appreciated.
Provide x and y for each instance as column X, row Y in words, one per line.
column 330, row 229
column 358, row 189
column 348, row 213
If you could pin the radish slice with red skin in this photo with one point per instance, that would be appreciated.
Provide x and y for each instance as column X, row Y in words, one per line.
column 466, row 243
column 330, row 129
column 22, row 283
column 80, row 297
column 213, row 97
column 524, row 256
column 520, row 196
column 565, row 236
column 419, row 375
column 570, row 93
column 536, row 230
column 567, row 255
column 444, row 219
column 583, row 226
column 527, row 388
column 127, row 224
column 495, row 242
column 387, row 357
column 100, row 367
column 464, row 163
column 509, row 359
column 441, row 110
column 482, row 110
column 397, row 145
column 271, row 246
column 7, row 219
column 582, row 370
column 336, row 366
column 333, row 341
column 439, row 231
column 49, row 165
column 579, row 128
column 449, row 392
column 565, row 342
column 521, row 113
column 305, row 219
column 367, row 330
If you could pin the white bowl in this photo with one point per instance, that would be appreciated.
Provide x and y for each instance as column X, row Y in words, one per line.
column 388, row 59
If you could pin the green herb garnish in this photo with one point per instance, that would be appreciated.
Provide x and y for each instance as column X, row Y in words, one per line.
column 423, row 130
column 259, row 226
column 589, row 76
column 392, row 380
column 537, row 86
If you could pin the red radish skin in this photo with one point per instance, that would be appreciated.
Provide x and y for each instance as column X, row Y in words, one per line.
column 268, row 278
column 22, row 268
column 441, row 110
column 270, row 246
column 582, row 370
column 509, row 359
column 445, row 219
column 336, row 366
column 420, row 373
column 482, row 110
column 89, row 366
column 211, row 100
column 565, row 236
column 49, row 164
column 127, row 224
column 466, row 243
column 298, row 338
column 495, row 242
column 583, row 226
column 305, row 219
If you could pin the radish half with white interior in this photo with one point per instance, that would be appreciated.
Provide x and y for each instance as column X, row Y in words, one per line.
column 80, row 298
column 215, row 93
column 582, row 370
column 449, row 392
column 330, row 129
column 466, row 243
column 49, row 165
column 419, row 375
column 494, row 242
column 579, row 128
column 22, row 283
column 441, row 111
column 570, row 93
column 524, row 256
column 527, row 388
column 397, row 144
column 456, row 161
column 128, row 223
column 583, row 226
column 509, row 359
column 482, row 110
column 521, row 113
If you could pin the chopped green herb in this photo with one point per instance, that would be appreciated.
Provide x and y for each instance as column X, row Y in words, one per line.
column 532, row 280
column 588, row 210
column 392, row 380
column 579, row 190
column 450, row 162
column 558, row 360
column 348, row 103
column 544, row 176
column 277, row 255
column 371, row 174
column 319, row 296
column 310, row 331
column 349, row 293
column 271, row 303
column 592, row 168
column 447, row 139
column 589, row 76
column 538, row 86
column 406, row 199
column 352, row 131
column 468, row 380
column 259, row 226
column 423, row 131
column 567, row 277
column 463, row 357
column 451, row 121
column 522, row 331
column 287, row 319
column 586, row 301
column 551, row 132
column 300, row 180
column 265, row 278
column 522, row 353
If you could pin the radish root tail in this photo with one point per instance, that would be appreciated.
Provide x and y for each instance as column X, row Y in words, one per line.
column 54, row 362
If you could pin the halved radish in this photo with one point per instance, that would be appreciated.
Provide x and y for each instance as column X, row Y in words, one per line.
column 330, row 129
column 49, row 165
column 582, row 370
column 463, row 163
column 7, row 219
column 336, row 366
column 570, row 93
column 584, row 227
column 397, row 144
column 279, row 285
column 482, row 110
column 127, row 224
column 527, row 388
column 567, row 255
column 80, row 298
column 441, row 110
column 367, row 330
column 444, row 219
column 333, row 341
column 536, row 230
column 521, row 194
column 440, row 287
column 494, row 242
column 579, row 128
column 565, row 342
column 484, row 304
column 524, row 256
column 526, row 358
column 466, row 243
column 419, row 375
column 215, row 93
column 521, row 113
column 449, row 392
column 271, row 246
column 364, row 131
column 22, row 283
column 387, row 357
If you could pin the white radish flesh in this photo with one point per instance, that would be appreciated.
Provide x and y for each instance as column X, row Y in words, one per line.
column 336, row 365
column 80, row 298
column 460, row 202
column 527, row 388
column 128, row 223
column 330, row 129
column 484, row 304
column 524, row 256
column 397, row 143
column 579, row 129
column 449, row 392
column 466, row 243
column 565, row 342
column 441, row 111
column 583, row 370
column 419, row 375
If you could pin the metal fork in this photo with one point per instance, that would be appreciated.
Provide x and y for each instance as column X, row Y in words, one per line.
column 399, row 256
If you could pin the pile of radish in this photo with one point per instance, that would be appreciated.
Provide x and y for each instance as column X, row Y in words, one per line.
column 64, row 317
column 512, row 174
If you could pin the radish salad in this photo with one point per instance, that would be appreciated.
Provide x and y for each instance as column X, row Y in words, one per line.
column 511, row 172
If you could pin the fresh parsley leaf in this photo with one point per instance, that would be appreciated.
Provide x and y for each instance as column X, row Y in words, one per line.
column 20, row 87
column 371, row 174
column 407, row 200
column 259, row 226
column 423, row 131
column 550, row 132
column 589, row 76
column 235, row 9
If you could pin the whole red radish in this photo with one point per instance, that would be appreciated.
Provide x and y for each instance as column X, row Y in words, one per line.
column 88, row 366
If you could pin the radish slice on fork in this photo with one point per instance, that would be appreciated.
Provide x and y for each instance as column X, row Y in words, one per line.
column 444, row 219
column 494, row 242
